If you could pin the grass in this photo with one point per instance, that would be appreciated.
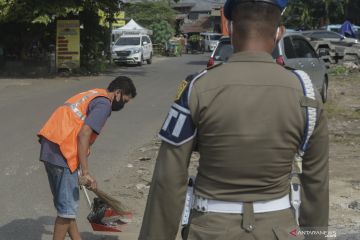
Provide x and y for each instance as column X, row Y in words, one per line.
column 343, row 94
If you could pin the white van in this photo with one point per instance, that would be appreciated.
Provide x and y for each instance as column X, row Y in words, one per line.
column 211, row 40
column 132, row 49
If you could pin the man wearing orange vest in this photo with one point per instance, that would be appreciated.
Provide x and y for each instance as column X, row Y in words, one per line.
column 65, row 146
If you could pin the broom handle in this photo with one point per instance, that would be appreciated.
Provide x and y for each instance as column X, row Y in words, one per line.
column 85, row 191
column 87, row 195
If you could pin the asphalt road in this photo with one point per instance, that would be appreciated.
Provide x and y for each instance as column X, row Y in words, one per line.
column 26, row 211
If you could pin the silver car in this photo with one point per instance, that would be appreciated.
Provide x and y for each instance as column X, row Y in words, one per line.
column 293, row 51
column 328, row 36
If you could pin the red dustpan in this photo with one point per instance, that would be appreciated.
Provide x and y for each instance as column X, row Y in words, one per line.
column 104, row 219
column 112, row 221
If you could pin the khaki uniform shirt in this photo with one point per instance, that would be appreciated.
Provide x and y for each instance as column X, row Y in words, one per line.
column 250, row 120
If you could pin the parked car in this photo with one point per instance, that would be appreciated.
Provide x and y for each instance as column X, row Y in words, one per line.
column 222, row 52
column 336, row 27
column 293, row 51
column 133, row 49
column 328, row 36
column 211, row 40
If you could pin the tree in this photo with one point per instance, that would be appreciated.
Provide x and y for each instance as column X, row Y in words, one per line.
column 24, row 22
column 162, row 32
column 147, row 13
column 310, row 14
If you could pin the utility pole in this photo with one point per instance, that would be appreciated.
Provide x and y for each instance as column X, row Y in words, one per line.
column 110, row 43
column 111, row 17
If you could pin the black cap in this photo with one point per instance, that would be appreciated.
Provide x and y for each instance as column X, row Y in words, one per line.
column 230, row 4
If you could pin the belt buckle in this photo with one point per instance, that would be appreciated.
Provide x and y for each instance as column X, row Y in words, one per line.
column 201, row 204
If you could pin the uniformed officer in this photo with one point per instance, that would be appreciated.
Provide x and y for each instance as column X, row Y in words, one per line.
column 262, row 136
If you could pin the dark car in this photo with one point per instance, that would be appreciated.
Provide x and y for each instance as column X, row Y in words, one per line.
column 293, row 51
column 222, row 52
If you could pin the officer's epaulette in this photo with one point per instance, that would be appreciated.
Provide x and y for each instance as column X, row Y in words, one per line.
column 184, row 87
column 214, row 66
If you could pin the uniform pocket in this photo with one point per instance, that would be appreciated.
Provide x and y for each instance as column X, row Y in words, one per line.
column 206, row 226
column 206, row 233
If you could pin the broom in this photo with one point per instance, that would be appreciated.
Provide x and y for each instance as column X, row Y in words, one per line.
column 115, row 204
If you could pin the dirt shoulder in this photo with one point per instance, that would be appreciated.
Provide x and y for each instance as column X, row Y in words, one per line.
column 343, row 110
column 343, row 107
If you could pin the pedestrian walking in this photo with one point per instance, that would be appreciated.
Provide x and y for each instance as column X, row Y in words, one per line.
column 66, row 139
column 261, row 132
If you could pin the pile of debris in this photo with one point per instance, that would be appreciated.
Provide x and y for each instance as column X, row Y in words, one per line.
column 337, row 52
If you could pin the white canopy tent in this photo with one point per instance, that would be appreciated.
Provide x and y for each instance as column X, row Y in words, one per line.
column 131, row 28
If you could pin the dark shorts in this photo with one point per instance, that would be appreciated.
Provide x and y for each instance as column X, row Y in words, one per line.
column 65, row 189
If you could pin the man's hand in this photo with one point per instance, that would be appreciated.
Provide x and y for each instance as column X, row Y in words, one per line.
column 88, row 181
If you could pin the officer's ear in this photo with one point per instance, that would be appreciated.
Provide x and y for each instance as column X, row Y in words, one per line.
column 280, row 32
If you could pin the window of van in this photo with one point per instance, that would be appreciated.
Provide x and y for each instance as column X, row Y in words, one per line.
column 128, row 41
column 215, row 37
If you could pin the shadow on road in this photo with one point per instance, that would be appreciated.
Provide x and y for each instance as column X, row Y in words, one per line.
column 204, row 63
column 26, row 229
column 37, row 229
column 91, row 236
column 140, row 71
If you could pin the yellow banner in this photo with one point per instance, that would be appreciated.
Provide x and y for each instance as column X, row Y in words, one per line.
column 68, row 44
column 119, row 23
column 119, row 19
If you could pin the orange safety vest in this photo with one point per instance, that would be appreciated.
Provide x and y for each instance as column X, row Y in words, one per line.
column 65, row 123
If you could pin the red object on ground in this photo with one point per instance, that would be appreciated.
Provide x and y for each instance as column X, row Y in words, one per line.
column 115, row 226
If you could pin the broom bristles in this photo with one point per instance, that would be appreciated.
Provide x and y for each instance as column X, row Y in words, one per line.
column 115, row 204
column 109, row 200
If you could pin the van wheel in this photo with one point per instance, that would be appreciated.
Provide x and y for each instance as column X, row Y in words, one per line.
column 149, row 61
column 141, row 61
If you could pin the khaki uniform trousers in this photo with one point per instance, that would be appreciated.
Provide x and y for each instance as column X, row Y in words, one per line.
column 276, row 225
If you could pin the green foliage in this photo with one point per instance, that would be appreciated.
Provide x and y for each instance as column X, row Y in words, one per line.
column 162, row 32
column 24, row 24
column 148, row 13
column 44, row 11
column 195, row 38
column 309, row 14
column 94, row 40
column 338, row 70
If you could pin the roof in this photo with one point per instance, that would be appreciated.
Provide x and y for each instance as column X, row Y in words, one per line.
column 203, row 24
column 133, row 35
column 200, row 5
column 181, row 16
column 132, row 28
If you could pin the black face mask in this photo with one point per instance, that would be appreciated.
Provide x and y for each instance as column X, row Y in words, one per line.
column 117, row 105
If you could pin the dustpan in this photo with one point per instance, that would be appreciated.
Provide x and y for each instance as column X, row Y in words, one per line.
column 116, row 222
column 104, row 219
